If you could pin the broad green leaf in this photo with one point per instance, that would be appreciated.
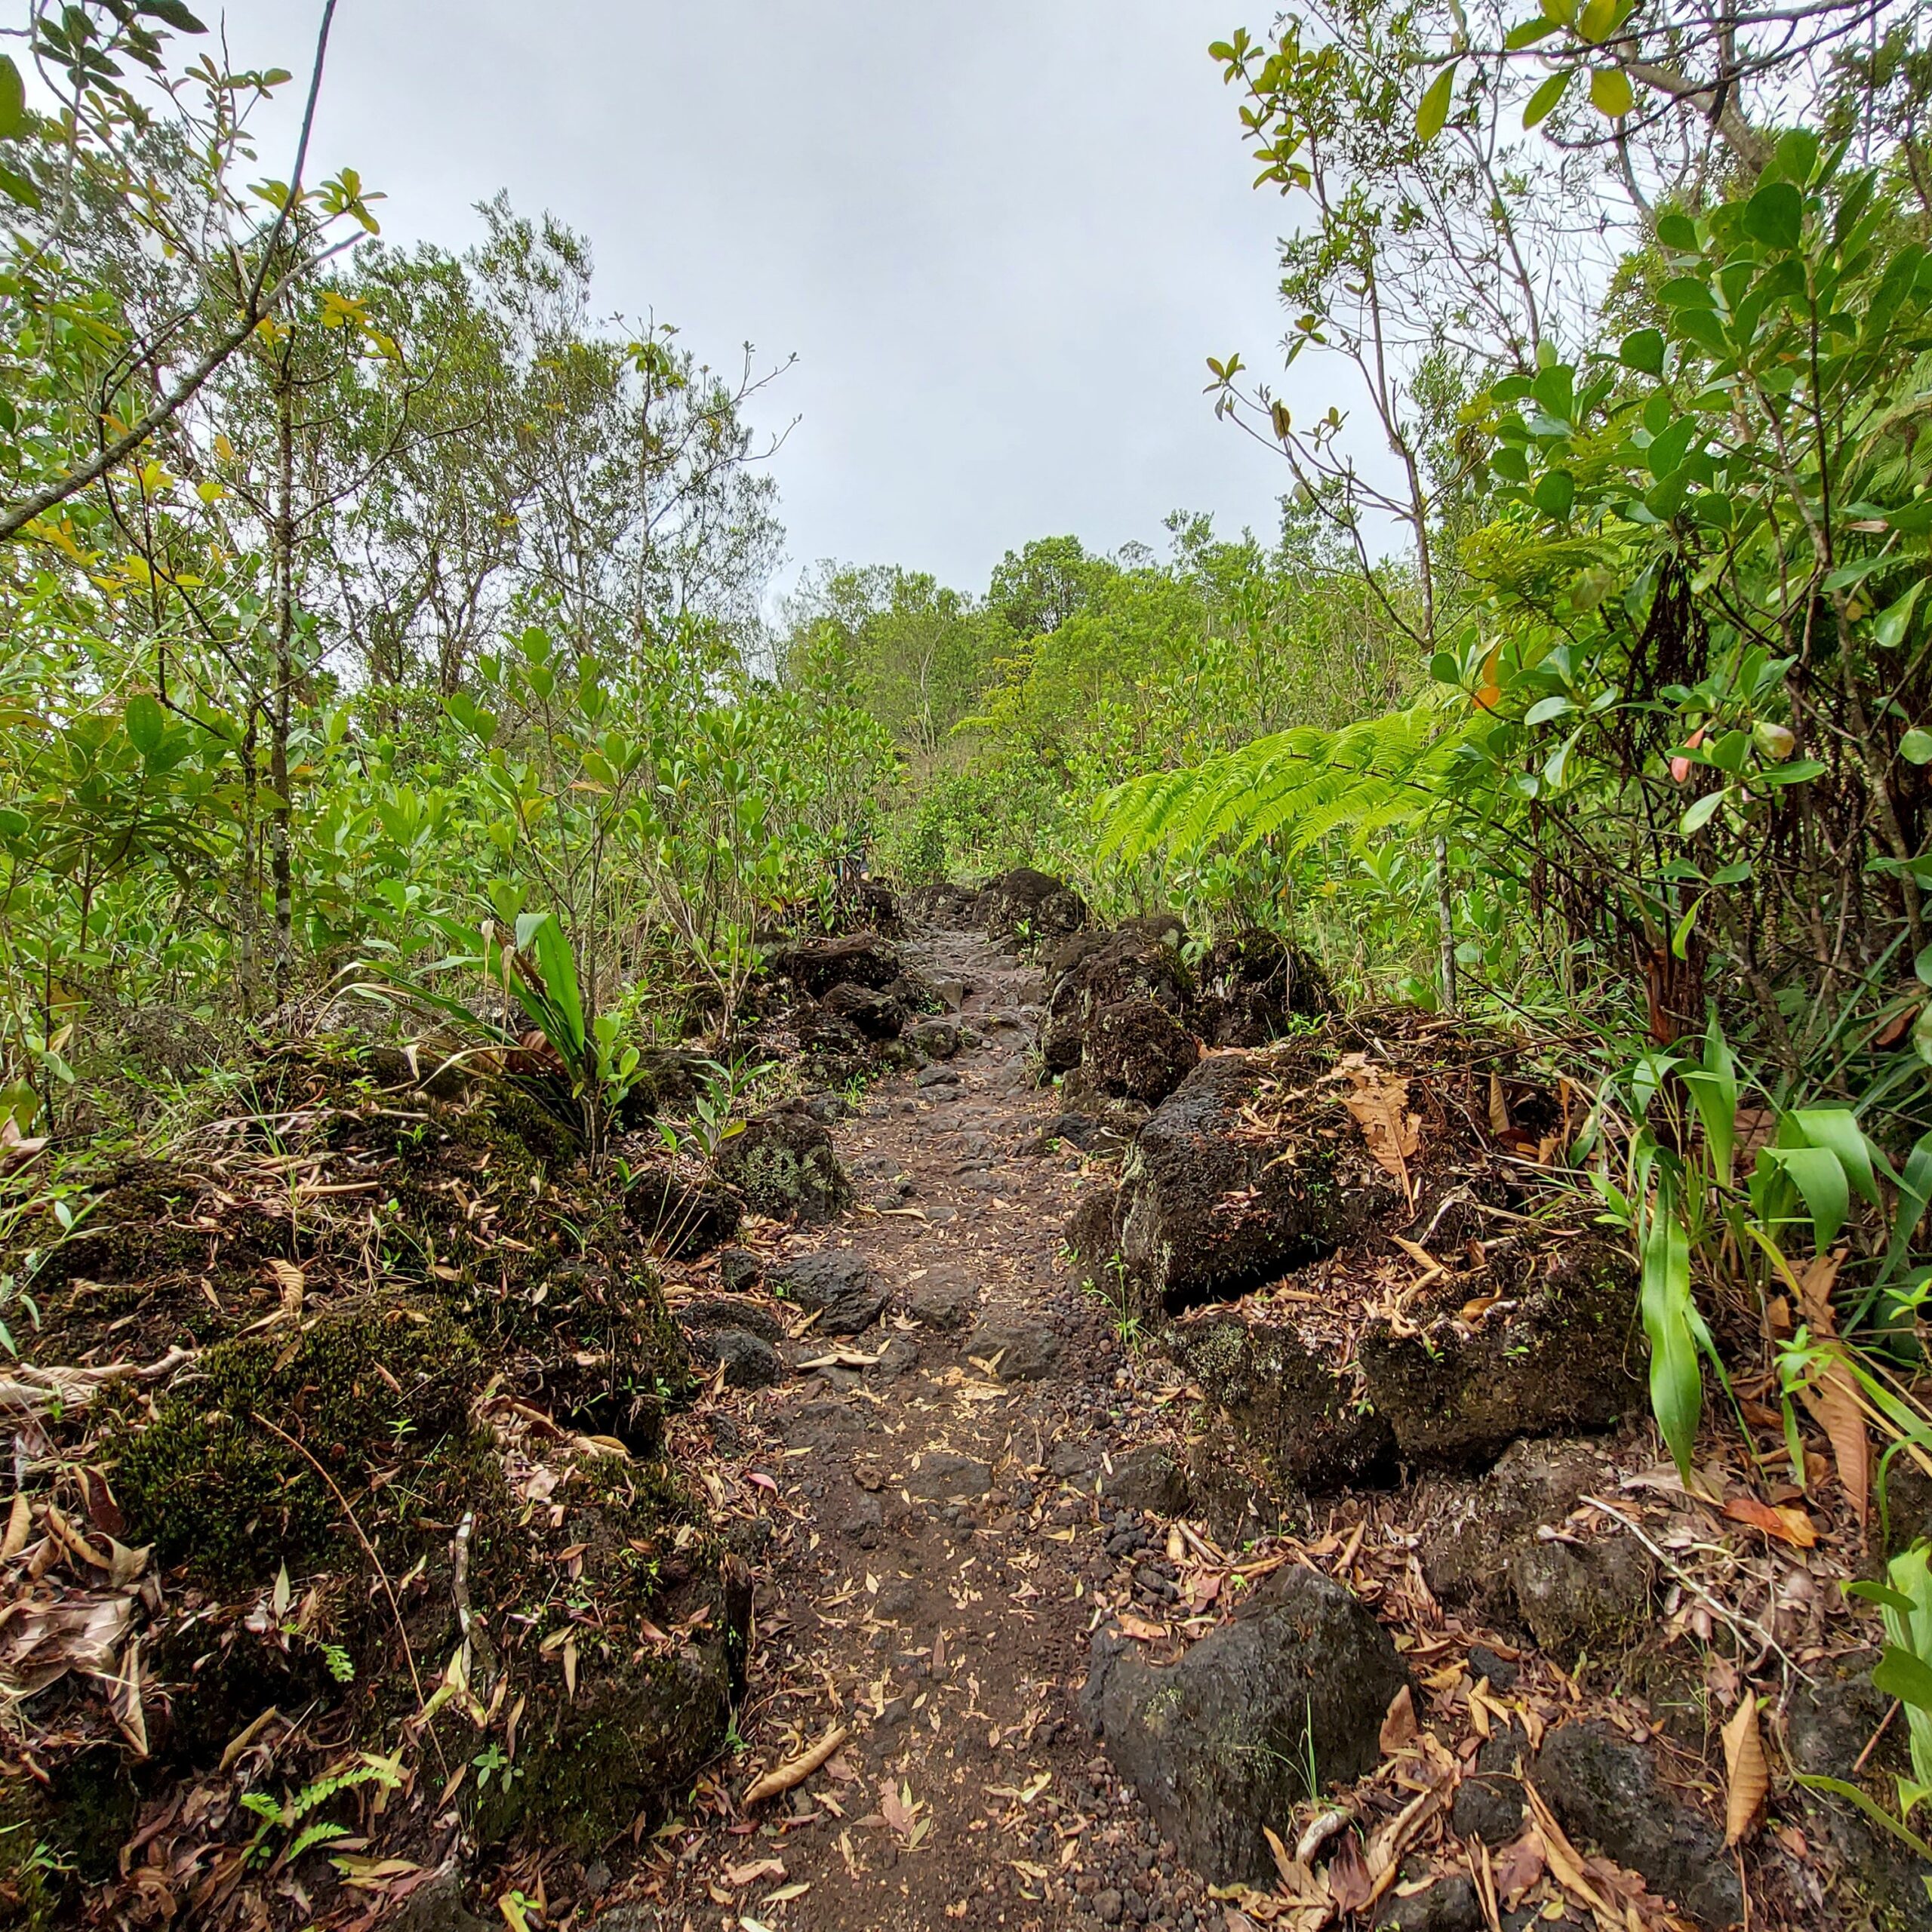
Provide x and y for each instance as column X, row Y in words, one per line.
column 1543, row 102
column 147, row 724
column 1818, row 1176
column 1775, row 215
column 1556, row 493
column 1702, row 812
column 1434, row 111
column 1915, row 747
column 1643, row 351
column 1891, row 628
column 1611, row 92
column 1837, row 1129
column 1598, row 20
column 174, row 13
column 12, row 100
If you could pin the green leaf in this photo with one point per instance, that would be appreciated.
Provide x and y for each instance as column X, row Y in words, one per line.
column 1443, row 668
column 1543, row 103
column 1598, row 21
column 1815, row 1172
column 18, row 188
column 1677, row 1381
column 1702, row 812
column 1855, row 1795
column 1667, row 452
column 1545, row 709
column 1900, row 1674
column 1434, row 111
column 1775, row 215
column 1611, row 93
column 12, row 100
column 1799, row 771
column 1883, row 1594
column 1837, row 1129
column 147, row 724
column 1555, row 493
column 1527, row 34
column 1894, row 620
column 1643, row 351
column 172, row 11
column 1677, row 232
column 1915, row 747
column 558, row 965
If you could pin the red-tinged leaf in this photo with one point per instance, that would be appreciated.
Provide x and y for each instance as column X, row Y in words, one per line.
column 759, row 1480
column 1787, row 1525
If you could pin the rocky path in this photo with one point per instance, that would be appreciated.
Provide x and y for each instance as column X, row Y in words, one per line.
column 953, row 1493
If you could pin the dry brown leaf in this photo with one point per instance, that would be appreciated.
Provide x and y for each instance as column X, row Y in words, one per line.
column 742, row 1876
column 1140, row 1629
column 291, row 1281
column 1349, row 1883
column 1519, row 1866
column 1748, row 1777
column 1787, row 1525
column 20, row 1527
column 1831, row 1395
column 1500, row 1122
column 1565, row 1865
column 1398, row 1726
column 1379, row 1105
column 897, row 1807
column 782, row 1777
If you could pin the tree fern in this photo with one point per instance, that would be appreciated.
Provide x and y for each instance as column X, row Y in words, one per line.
column 1299, row 786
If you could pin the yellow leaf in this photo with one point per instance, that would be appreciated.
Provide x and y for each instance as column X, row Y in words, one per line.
column 1611, row 92
column 1598, row 21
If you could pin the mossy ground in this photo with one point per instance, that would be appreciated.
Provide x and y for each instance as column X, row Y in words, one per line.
column 412, row 1326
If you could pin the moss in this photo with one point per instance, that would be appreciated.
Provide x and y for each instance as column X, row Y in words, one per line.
column 55, row 1839
column 210, row 1486
column 631, row 1742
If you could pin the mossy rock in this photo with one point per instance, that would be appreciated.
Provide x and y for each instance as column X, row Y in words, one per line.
column 362, row 1387
column 638, row 1731
column 784, row 1165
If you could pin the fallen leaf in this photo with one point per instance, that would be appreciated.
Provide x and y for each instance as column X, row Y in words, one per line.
column 1748, row 1777
column 291, row 1281
column 1561, row 1856
column 1787, row 1525
column 1518, row 1866
column 20, row 1527
column 1398, row 1726
column 1499, row 1121
column 898, row 1808
column 742, row 1876
column 1349, row 1880
column 785, row 1776
column 1379, row 1104
column 1831, row 1395
column 1139, row 1628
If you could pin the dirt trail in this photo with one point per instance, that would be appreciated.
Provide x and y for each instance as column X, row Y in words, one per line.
column 932, row 1582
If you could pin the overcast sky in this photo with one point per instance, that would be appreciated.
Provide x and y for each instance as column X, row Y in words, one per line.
column 1002, row 237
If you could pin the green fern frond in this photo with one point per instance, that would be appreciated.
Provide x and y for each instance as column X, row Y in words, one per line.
column 1305, row 784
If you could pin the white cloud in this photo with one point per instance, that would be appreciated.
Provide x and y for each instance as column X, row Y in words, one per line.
column 1002, row 237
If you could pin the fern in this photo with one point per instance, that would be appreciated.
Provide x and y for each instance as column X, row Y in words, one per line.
column 1299, row 786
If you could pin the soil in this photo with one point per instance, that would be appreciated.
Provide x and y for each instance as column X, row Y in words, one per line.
column 930, row 1586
